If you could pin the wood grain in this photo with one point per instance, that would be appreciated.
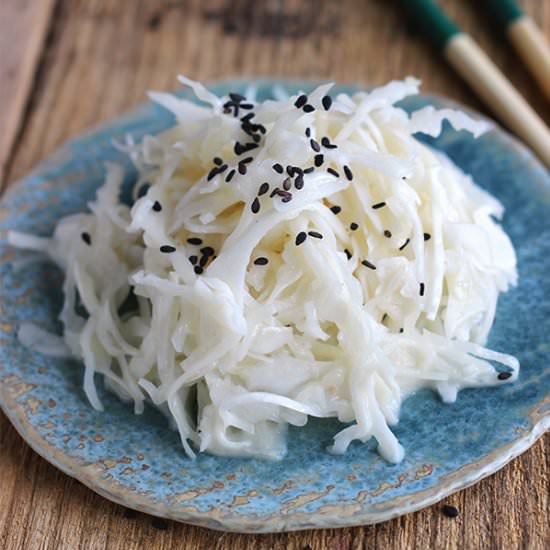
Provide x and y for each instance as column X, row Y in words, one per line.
column 21, row 42
column 100, row 58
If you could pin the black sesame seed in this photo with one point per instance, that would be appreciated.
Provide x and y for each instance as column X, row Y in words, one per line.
column 353, row 226
column 239, row 148
column 218, row 161
column 504, row 375
column 378, row 205
column 309, row 170
column 387, row 233
column 264, row 188
column 366, row 263
column 287, row 184
column 308, row 132
column 315, row 234
column 325, row 142
column 427, row 236
column 198, row 269
column 255, row 206
column 384, row 317
column 278, row 168
column 194, row 240
column 327, row 102
column 274, row 192
column 242, row 168
column 333, row 172
column 308, row 108
column 261, row 261
column 167, row 249
column 207, row 251
column 348, row 253
column 314, row 145
column 157, row 207
column 237, row 98
column 336, row 209
column 203, row 261
column 212, row 173
column 222, row 168
column 450, row 511
column 247, row 160
column 401, row 330
column 422, row 288
column 301, row 101
column 193, row 259
column 402, row 247
column 247, row 118
column 286, row 198
column 229, row 176
column 301, row 237
column 246, row 106
column 257, row 137
column 86, row 238
column 318, row 160
column 290, row 170
column 348, row 172
column 299, row 182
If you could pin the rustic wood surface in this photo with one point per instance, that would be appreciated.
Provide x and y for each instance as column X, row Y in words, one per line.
column 66, row 65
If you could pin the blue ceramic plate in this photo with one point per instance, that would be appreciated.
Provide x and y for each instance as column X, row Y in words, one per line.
column 138, row 462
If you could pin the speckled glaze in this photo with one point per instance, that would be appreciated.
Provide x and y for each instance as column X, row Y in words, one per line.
column 138, row 462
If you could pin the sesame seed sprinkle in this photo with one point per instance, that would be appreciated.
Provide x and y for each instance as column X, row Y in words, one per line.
column 327, row 102
column 229, row 176
column 194, row 240
column 325, row 142
column 402, row 247
column 287, row 184
column 198, row 269
column 427, row 236
column 299, row 182
column 308, row 132
column 261, row 261
column 318, row 160
column 235, row 97
column 504, row 375
column 308, row 108
column 348, row 253
column 86, row 238
column 450, row 511
column 378, row 205
column 387, row 233
column 255, row 206
column 301, row 101
column 207, row 251
column 314, row 145
column 247, row 160
column 167, row 249
column 366, row 263
column 333, row 172
column 309, row 170
column 218, row 161
column 315, row 234
column 278, row 168
column 212, row 173
column 353, row 226
column 264, row 188
column 348, row 173
column 193, row 259
column 336, row 209
column 300, row 238
column 242, row 168
column 203, row 261
column 422, row 288
column 157, row 207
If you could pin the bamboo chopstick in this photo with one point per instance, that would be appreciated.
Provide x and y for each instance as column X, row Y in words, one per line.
column 477, row 69
column 526, row 37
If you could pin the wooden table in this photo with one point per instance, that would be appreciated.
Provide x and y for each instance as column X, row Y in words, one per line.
column 66, row 65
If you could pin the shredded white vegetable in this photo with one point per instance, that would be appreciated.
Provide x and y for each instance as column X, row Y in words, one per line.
column 292, row 258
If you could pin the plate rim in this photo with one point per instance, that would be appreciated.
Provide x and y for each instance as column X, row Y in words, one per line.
column 79, row 469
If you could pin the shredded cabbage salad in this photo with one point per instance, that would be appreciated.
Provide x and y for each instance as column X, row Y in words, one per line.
column 298, row 257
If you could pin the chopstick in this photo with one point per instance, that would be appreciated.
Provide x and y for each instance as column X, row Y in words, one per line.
column 477, row 69
column 526, row 38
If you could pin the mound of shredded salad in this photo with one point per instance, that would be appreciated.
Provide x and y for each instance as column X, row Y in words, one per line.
column 298, row 257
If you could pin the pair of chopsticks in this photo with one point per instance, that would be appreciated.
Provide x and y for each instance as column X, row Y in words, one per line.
column 477, row 69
